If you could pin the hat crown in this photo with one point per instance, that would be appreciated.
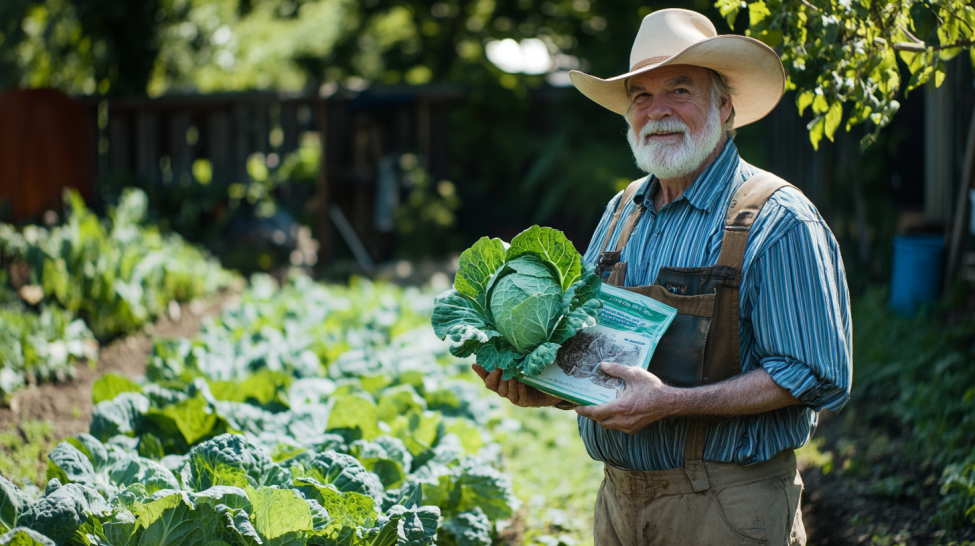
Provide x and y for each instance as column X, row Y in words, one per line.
column 667, row 32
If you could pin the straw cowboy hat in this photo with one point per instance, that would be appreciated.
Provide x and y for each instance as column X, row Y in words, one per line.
column 678, row 36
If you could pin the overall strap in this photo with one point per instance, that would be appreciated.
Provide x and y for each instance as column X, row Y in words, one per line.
column 624, row 199
column 742, row 213
column 743, row 210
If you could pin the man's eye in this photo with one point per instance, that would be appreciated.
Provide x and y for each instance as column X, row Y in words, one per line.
column 681, row 90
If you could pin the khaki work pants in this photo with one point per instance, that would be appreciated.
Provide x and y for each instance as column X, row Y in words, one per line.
column 746, row 505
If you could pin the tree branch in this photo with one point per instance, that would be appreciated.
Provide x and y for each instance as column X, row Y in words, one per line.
column 922, row 47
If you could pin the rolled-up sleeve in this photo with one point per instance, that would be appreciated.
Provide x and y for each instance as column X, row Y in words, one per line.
column 801, row 316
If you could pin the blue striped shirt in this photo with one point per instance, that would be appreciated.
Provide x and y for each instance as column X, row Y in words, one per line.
column 795, row 315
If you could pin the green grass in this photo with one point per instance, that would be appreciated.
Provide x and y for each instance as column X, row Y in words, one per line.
column 23, row 452
column 553, row 475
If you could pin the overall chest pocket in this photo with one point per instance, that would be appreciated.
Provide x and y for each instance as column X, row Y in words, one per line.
column 681, row 358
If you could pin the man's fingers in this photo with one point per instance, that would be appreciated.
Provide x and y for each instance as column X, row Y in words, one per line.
column 492, row 380
column 626, row 373
column 479, row 370
column 516, row 389
column 503, row 388
column 597, row 413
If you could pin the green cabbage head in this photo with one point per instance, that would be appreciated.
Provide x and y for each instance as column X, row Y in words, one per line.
column 515, row 305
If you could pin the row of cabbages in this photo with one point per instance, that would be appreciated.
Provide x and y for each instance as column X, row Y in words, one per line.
column 307, row 414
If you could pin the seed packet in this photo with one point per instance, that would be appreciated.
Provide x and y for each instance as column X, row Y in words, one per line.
column 630, row 327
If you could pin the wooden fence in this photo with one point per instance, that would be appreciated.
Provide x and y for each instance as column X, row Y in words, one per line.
column 157, row 141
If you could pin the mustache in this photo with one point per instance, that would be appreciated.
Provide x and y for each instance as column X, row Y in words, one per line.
column 670, row 125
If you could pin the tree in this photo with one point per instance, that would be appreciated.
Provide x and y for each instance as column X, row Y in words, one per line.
column 842, row 60
column 842, row 55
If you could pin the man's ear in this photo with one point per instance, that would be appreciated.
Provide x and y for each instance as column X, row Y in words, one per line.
column 726, row 108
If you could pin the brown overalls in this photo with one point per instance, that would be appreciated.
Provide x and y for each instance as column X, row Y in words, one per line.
column 700, row 347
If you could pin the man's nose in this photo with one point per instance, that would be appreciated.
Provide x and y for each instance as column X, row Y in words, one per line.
column 659, row 110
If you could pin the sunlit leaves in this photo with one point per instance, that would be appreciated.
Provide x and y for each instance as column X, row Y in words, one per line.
column 845, row 52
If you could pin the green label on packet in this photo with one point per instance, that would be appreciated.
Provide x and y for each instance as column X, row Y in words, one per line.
column 626, row 310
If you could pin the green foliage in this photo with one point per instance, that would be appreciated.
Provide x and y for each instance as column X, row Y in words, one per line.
column 41, row 346
column 23, row 451
column 425, row 224
column 116, row 277
column 842, row 57
column 373, row 455
column 928, row 368
column 81, row 46
column 514, row 307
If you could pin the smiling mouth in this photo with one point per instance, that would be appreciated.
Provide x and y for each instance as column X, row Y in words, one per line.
column 662, row 135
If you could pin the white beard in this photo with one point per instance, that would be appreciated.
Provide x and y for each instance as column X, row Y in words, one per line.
column 665, row 160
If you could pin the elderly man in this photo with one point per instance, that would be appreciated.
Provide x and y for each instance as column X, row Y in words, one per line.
column 699, row 448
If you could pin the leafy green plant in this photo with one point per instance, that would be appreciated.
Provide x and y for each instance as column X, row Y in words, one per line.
column 927, row 365
column 377, row 439
column 515, row 305
column 116, row 275
column 41, row 346
column 226, row 489
column 840, row 53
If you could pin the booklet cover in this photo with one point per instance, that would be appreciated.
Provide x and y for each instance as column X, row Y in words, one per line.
column 630, row 326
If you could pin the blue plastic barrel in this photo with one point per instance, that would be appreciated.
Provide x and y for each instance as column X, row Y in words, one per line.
column 917, row 271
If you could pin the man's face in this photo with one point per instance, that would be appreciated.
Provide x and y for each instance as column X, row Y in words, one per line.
column 675, row 122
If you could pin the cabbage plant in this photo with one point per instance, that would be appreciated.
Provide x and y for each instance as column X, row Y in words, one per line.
column 515, row 305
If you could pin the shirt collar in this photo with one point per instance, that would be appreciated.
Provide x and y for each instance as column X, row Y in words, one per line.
column 711, row 183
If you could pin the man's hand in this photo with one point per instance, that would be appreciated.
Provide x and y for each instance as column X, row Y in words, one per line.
column 646, row 399
column 517, row 392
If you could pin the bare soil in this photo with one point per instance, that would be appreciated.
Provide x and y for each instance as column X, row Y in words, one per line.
column 839, row 510
column 67, row 405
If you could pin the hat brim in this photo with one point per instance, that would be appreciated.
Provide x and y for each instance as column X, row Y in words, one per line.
column 751, row 68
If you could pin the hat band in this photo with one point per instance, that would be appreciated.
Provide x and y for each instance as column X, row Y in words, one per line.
column 649, row 61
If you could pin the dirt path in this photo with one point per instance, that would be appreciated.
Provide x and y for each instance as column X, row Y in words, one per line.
column 68, row 406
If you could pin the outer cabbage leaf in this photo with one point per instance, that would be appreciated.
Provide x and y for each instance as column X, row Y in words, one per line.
column 279, row 515
column 415, row 526
column 347, row 510
column 345, row 473
column 83, row 459
column 467, row 529
column 354, row 412
column 173, row 521
column 584, row 316
column 477, row 264
column 226, row 495
column 118, row 416
column 193, row 418
column 463, row 321
column 69, row 465
column 229, row 459
column 498, row 355
column 63, row 510
column 417, row 430
column 399, row 400
column 581, row 291
column 552, row 246
column 154, row 476
column 22, row 536
column 376, row 459
column 13, row 503
column 110, row 385
column 484, row 487
column 99, row 455
column 541, row 357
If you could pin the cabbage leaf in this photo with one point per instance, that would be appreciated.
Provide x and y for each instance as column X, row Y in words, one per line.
column 513, row 307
